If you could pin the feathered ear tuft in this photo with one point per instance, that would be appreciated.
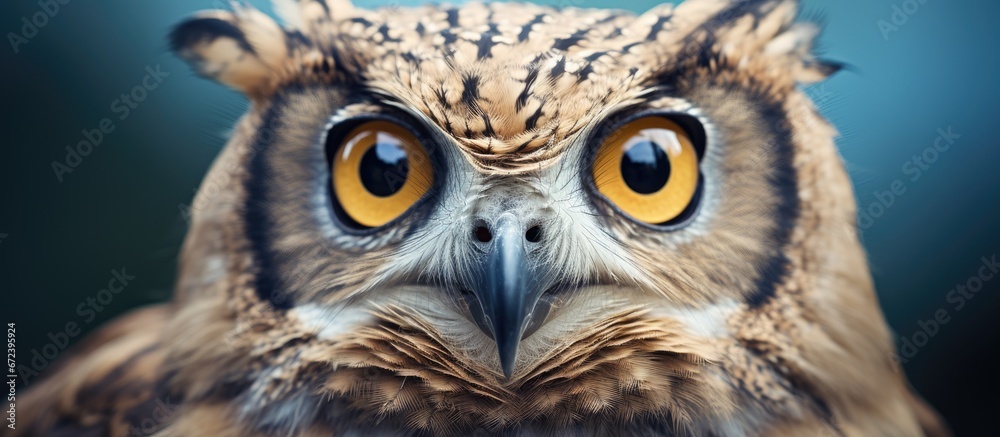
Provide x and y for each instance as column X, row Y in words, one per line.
column 796, row 44
column 816, row 70
column 743, row 30
column 244, row 49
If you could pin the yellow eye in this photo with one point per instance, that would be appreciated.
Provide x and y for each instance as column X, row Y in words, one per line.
column 379, row 171
column 648, row 169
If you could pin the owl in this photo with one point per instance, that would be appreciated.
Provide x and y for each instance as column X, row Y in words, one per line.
column 506, row 219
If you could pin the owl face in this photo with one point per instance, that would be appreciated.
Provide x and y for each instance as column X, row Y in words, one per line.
column 502, row 197
column 367, row 203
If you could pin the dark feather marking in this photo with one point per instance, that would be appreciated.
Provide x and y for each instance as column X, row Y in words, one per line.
column 295, row 38
column 530, row 123
column 442, row 97
column 563, row 44
column 607, row 97
column 595, row 56
column 470, row 91
column 488, row 130
column 559, row 68
column 338, row 64
column 790, row 381
column 526, row 143
column 432, row 116
column 585, row 72
column 700, row 44
column 258, row 223
column 384, row 30
column 522, row 99
column 468, row 130
column 362, row 21
column 326, row 7
column 526, row 29
column 449, row 37
column 755, row 8
column 827, row 67
column 447, row 124
column 409, row 57
column 198, row 30
column 784, row 181
column 610, row 17
column 628, row 47
column 452, row 17
column 658, row 27
column 485, row 44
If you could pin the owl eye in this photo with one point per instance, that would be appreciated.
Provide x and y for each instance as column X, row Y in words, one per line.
column 379, row 170
column 648, row 168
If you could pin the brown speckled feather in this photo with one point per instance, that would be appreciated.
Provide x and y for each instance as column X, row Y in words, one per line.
column 104, row 385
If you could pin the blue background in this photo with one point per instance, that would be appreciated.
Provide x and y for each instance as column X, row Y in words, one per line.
column 121, row 208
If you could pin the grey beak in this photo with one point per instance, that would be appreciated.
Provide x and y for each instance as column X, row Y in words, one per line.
column 508, row 291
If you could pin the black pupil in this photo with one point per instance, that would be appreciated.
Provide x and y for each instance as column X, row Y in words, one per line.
column 384, row 168
column 645, row 167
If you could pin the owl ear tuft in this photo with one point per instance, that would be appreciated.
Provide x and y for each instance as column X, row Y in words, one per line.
column 244, row 49
column 795, row 43
column 818, row 70
column 747, row 29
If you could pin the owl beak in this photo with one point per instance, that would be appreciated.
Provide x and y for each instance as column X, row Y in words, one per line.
column 508, row 293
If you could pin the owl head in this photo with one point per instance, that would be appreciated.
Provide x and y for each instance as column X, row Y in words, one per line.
column 508, row 215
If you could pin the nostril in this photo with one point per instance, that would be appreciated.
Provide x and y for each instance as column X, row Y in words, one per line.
column 534, row 234
column 483, row 234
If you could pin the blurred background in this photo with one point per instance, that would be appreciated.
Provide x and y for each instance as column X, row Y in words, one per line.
column 920, row 71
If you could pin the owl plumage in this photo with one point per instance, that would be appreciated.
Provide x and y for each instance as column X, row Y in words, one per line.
column 752, row 313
